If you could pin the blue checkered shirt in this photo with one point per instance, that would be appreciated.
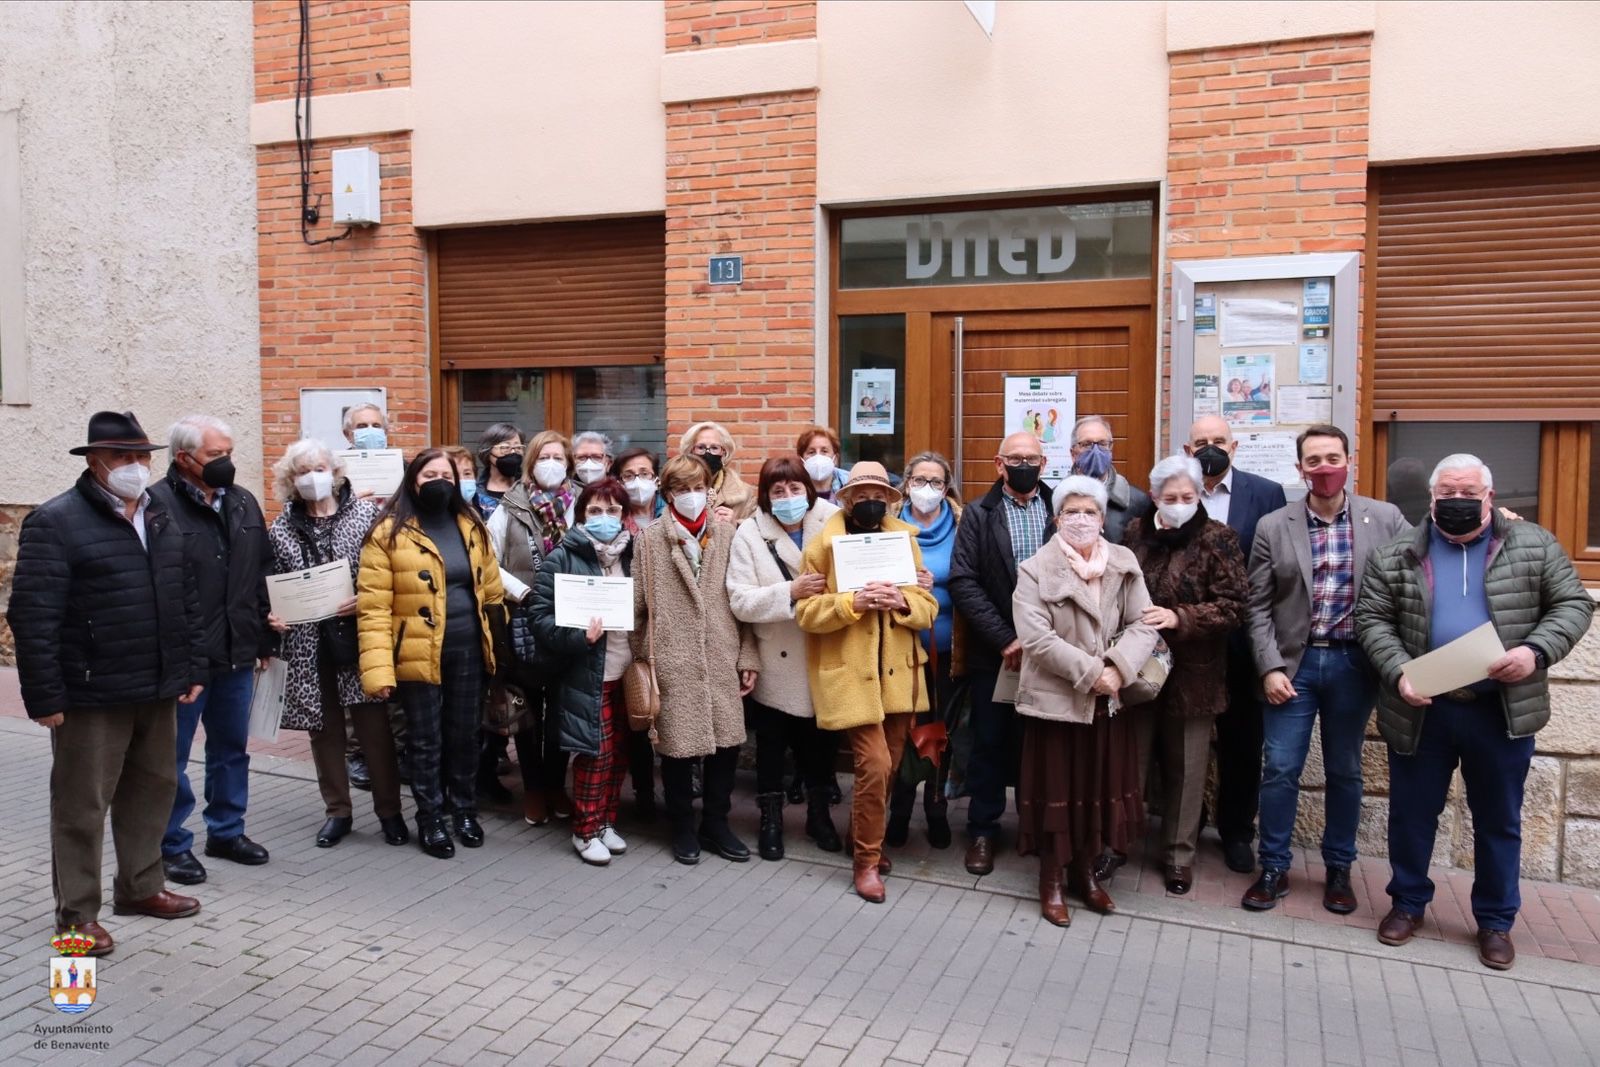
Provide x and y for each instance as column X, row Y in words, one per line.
column 1026, row 523
column 1333, row 576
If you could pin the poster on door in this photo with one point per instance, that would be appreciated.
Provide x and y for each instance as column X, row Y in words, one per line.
column 1045, row 407
column 1247, row 390
column 872, row 400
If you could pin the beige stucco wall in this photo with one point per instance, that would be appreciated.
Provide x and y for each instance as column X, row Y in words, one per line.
column 917, row 102
column 1195, row 24
column 536, row 111
column 138, row 188
column 1453, row 80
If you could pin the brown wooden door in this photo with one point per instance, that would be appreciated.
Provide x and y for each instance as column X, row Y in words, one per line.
column 1111, row 351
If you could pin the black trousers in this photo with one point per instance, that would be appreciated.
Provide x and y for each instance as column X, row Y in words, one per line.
column 716, row 802
column 1239, row 741
column 442, row 722
column 776, row 733
column 540, row 761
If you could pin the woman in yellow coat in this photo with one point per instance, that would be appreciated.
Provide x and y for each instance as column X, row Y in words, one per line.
column 428, row 581
column 865, row 657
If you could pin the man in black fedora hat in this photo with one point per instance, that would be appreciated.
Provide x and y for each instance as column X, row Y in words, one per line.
column 106, row 617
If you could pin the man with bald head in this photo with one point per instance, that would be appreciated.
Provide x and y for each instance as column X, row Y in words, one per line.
column 1241, row 500
column 1003, row 529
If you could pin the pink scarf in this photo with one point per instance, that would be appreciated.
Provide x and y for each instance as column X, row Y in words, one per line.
column 1089, row 569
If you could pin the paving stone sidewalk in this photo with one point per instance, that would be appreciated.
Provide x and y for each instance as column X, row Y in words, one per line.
column 516, row 952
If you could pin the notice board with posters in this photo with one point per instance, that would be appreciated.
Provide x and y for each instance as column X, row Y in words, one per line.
column 1268, row 343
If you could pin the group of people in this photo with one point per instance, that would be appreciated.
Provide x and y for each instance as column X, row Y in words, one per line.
column 1099, row 637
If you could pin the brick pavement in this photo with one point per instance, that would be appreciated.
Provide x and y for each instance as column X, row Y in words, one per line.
column 366, row 954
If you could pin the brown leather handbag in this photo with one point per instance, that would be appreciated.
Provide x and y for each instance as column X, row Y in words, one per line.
column 640, row 693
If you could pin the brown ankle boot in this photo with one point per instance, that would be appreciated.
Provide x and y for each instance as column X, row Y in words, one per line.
column 869, row 884
column 1052, row 905
column 1089, row 888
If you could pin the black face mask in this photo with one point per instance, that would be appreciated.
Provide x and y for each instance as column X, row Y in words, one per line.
column 1022, row 479
column 868, row 514
column 1213, row 460
column 713, row 461
column 1458, row 516
column 433, row 498
column 218, row 474
column 509, row 465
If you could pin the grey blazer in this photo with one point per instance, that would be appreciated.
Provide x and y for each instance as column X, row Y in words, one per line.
column 1280, row 576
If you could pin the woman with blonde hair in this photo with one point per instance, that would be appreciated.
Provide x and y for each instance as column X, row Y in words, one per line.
column 705, row 662
column 732, row 500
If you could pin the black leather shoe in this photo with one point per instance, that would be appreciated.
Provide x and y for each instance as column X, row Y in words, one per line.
column 394, row 830
column 718, row 837
column 897, row 830
column 238, row 849
column 183, row 869
column 685, row 845
column 980, row 856
column 1108, row 863
column 468, row 830
column 360, row 776
column 434, row 837
column 819, row 822
column 835, row 794
column 1239, row 856
column 333, row 831
column 1338, row 897
column 1271, row 887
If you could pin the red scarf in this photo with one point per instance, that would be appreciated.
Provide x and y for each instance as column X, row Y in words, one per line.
column 697, row 527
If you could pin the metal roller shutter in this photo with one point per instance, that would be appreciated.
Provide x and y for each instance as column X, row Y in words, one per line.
column 1488, row 291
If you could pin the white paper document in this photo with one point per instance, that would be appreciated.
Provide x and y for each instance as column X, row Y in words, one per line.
column 310, row 595
column 581, row 597
column 875, row 557
column 1250, row 321
column 266, row 703
column 378, row 471
column 1460, row 663
column 1005, row 686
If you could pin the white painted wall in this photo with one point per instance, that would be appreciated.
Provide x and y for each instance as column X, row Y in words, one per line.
column 527, row 111
column 138, row 189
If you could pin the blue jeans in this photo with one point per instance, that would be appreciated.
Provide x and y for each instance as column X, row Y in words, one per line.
column 1494, row 768
column 996, row 754
column 224, row 707
column 1336, row 685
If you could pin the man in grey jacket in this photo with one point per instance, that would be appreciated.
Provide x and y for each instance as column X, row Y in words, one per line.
column 1464, row 567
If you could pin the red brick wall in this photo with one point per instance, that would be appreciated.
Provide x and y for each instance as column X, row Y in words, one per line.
column 354, row 46
column 741, row 178
column 350, row 313
column 1267, row 152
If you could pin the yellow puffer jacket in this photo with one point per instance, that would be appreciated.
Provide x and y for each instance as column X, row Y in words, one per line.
column 397, row 642
column 863, row 667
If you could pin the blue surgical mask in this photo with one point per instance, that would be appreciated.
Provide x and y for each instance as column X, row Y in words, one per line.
column 790, row 510
column 469, row 489
column 369, row 438
column 603, row 528
column 1093, row 462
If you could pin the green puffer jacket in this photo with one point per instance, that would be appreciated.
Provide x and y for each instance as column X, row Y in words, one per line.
column 1535, row 597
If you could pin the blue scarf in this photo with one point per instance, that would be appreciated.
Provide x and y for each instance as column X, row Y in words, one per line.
column 937, row 542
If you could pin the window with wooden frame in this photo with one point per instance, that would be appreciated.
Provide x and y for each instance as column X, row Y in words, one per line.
column 551, row 326
column 1483, row 334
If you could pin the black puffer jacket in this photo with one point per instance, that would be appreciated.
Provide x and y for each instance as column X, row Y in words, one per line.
column 579, row 668
column 98, row 619
column 231, row 557
column 983, row 576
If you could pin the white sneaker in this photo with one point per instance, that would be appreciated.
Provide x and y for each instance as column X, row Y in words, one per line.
column 613, row 841
column 591, row 850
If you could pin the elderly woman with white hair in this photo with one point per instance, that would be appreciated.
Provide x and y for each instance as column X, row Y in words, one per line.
column 591, row 457
column 1080, row 610
column 323, row 521
column 732, row 500
column 1195, row 573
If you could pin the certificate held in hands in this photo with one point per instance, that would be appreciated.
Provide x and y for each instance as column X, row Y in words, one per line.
column 1456, row 665
column 377, row 471
column 580, row 598
column 310, row 595
column 874, row 557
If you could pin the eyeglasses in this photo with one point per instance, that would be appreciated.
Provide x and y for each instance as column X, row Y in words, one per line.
column 505, row 450
column 596, row 510
column 1022, row 461
column 1458, row 494
column 708, row 450
column 1106, row 444
column 927, row 483
column 634, row 476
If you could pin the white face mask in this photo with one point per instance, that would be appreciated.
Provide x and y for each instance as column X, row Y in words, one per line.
column 1175, row 515
column 128, row 481
column 690, row 505
column 641, row 491
column 925, row 499
column 314, row 485
column 819, row 467
column 590, row 471
column 549, row 473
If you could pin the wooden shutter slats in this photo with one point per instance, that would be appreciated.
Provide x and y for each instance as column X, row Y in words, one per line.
column 552, row 295
column 1487, row 279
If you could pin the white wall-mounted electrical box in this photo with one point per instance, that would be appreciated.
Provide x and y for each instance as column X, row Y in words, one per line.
column 355, row 187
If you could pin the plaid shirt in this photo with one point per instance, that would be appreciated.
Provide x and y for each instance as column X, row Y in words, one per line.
column 1333, row 576
column 1026, row 523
